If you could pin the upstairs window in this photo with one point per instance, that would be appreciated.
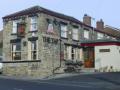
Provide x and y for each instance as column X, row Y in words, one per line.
column 75, row 34
column 107, row 37
column 21, row 30
column 33, row 23
column 100, row 35
column 64, row 31
column 50, row 28
column 86, row 34
column 15, row 24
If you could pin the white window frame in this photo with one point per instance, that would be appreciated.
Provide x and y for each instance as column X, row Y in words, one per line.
column 34, row 23
column 86, row 34
column 31, row 50
column 50, row 28
column 64, row 31
column 75, row 33
column 14, row 50
column 14, row 26
column 100, row 35
column 107, row 36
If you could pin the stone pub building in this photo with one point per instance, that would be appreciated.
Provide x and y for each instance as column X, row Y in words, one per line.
column 39, row 42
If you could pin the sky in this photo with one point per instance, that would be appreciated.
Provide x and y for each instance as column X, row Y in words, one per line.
column 108, row 10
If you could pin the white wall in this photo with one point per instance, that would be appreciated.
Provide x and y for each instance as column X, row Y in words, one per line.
column 105, row 60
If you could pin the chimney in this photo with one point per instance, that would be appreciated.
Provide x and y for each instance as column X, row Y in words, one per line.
column 87, row 20
column 100, row 25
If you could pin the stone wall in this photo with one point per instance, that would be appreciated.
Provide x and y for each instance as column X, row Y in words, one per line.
column 33, row 69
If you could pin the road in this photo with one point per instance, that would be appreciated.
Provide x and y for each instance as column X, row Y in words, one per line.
column 104, row 81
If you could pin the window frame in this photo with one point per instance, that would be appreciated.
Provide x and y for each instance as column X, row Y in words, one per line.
column 64, row 31
column 34, row 23
column 100, row 35
column 34, row 49
column 15, row 26
column 75, row 35
column 14, row 50
column 50, row 27
column 86, row 37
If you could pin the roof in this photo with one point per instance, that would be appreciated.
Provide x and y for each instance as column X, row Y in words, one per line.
column 92, row 43
column 99, row 41
column 112, row 31
column 38, row 9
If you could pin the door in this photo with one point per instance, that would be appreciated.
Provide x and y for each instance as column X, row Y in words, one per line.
column 89, row 57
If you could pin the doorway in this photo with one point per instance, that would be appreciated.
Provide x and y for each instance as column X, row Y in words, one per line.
column 89, row 56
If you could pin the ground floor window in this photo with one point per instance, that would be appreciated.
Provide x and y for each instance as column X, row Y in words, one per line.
column 16, row 51
column 33, row 50
column 71, row 53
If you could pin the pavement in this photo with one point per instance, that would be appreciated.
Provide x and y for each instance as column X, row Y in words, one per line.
column 55, row 76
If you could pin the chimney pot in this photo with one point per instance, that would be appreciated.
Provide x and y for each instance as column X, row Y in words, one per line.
column 100, row 25
column 87, row 20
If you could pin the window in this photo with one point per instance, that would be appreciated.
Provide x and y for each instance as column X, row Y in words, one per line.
column 86, row 34
column 71, row 53
column 107, row 36
column 113, row 38
column 16, row 51
column 104, row 50
column 64, row 31
column 14, row 29
column 33, row 50
column 100, row 36
column 74, row 54
column 75, row 34
column 50, row 28
column 21, row 30
column 33, row 23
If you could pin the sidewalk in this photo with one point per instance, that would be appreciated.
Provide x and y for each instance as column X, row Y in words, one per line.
column 63, row 75
column 55, row 76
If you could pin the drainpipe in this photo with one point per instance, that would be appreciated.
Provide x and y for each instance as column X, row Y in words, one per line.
column 60, row 45
column 59, row 28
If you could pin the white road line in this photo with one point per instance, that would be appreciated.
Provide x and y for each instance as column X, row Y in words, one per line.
column 75, row 82
column 65, row 84
column 17, row 89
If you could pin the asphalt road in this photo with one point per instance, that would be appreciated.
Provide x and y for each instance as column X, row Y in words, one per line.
column 104, row 81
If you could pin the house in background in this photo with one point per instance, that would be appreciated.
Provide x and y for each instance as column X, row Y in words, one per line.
column 39, row 42
column 1, row 42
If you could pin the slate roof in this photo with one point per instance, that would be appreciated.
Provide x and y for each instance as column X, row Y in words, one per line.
column 112, row 31
column 100, row 41
column 38, row 9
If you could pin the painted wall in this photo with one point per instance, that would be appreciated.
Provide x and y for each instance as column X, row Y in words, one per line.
column 104, row 60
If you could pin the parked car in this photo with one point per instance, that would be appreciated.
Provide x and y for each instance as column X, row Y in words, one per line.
column 1, row 64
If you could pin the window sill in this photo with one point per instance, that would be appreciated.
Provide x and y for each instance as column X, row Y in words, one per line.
column 64, row 38
column 75, row 40
column 21, row 61
column 33, row 31
column 14, row 34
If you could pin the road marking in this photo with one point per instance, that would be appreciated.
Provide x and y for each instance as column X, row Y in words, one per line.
column 75, row 82
column 17, row 89
column 65, row 84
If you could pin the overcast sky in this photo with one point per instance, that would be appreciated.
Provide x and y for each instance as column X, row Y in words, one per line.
column 108, row 10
